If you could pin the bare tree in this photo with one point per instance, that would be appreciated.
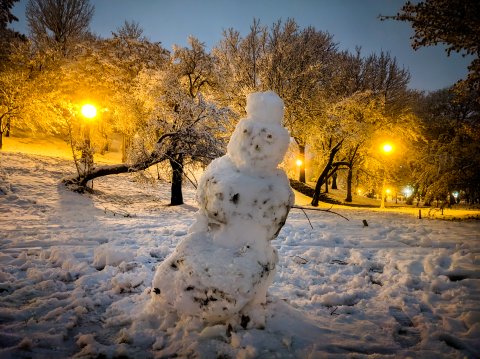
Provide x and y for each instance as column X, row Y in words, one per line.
column 58, row 22
column 299, row 69
column 241, row 61
column 129, row 30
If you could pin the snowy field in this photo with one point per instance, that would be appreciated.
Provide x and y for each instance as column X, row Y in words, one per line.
column 76, row 273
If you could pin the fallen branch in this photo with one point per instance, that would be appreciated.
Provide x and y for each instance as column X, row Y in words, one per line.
column 299, row 260
column 120, row 212
column 96, row 172
column 318, row 209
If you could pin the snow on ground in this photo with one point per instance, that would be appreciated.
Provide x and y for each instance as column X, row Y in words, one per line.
column 76, row 273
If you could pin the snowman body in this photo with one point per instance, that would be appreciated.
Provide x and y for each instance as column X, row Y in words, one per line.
column 221, row 271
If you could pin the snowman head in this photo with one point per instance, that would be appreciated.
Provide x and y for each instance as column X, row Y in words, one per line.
column 259, row 141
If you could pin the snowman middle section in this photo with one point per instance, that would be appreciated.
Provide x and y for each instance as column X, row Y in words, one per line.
column 242, row 208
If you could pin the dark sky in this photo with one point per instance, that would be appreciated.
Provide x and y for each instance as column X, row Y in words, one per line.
column 351, row 22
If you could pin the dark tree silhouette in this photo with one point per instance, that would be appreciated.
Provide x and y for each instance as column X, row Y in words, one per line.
column 455, row 23
column 7, row 36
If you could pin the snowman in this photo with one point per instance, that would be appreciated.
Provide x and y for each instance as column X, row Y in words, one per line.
column 220, row 272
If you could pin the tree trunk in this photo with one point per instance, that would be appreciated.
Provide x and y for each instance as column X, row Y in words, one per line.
column 177, row 177
column 451, row 200
column 324, row 175
column 318, row 186
column 125, row 145
column 1, row 133
column 410, row 199
column 7, row 130
column 334, row 181
column 349, row 184
column 383, row 199
column 350, row 165
column 301, row 176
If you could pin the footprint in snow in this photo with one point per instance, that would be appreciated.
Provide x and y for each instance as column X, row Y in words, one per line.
column 407, row 335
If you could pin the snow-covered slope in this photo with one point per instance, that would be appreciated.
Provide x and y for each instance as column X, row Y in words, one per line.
column 76, row 270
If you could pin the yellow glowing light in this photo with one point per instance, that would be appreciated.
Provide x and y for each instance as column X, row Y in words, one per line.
column 89, row 111
column 387, row 148
column 388, row 190
column 299, row 162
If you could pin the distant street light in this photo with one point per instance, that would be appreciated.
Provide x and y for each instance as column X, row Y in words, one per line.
column 407, row 191
column 387, row 148
column 455, row 196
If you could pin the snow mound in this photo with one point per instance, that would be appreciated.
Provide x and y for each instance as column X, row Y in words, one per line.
column 110, row 255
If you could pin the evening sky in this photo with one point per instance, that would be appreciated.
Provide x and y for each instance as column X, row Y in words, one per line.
column 351, row 22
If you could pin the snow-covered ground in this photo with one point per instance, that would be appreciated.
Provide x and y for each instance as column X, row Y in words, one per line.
column 76, row 273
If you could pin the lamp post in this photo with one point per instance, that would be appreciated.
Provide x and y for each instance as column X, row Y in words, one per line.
column 88, row 112
column 387, row 148
column 299, row 164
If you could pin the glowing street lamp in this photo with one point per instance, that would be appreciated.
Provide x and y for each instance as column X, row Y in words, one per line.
column 301, row 169
column 387, row 148
column 89, row 112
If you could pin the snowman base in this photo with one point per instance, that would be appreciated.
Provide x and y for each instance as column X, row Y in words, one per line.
column 230, row 289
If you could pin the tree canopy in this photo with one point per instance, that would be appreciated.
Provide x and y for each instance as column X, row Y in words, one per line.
column 454, row 23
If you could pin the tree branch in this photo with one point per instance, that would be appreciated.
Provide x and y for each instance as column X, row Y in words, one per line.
column 319, row 210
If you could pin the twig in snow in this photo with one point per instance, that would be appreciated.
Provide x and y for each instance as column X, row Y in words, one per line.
column 308, row 219
column 320, row 210
column 120, row 212
column 338, row 261
column 300, row 260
